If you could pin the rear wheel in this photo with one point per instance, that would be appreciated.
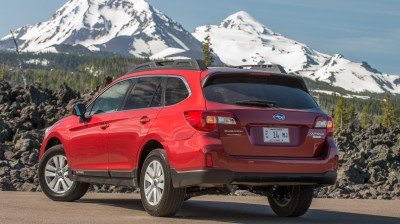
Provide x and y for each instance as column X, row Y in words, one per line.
column 291, row 201
column 159, row 197
column 54, row 179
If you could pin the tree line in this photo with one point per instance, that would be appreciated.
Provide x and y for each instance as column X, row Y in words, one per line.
column 85, row 73
column 346, row 115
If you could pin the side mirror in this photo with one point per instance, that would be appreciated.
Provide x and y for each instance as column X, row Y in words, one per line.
column 79, row 110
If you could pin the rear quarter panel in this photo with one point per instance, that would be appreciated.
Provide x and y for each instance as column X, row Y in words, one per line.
column 171, row 127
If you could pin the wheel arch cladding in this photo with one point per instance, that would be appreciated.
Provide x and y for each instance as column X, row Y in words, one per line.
column 148, row 147
column 52, row 142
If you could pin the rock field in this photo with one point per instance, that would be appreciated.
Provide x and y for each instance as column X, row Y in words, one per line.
column 369, row 158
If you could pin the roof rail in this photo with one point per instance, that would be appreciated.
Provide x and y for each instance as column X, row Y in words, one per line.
column 183, row 64
column 269, row 68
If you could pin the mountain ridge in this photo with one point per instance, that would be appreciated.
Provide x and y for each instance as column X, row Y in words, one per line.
column 134, row 27
column 122, row 26
column 240, row 39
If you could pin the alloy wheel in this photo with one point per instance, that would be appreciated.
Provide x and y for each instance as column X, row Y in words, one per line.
column 56, row 174
column 154, row 182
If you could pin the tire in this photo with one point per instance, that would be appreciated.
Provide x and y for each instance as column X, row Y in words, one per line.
column 291, row 201
column 53, row 177
column 159, row 197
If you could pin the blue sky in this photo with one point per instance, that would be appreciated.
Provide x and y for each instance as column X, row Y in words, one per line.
column 361, row 30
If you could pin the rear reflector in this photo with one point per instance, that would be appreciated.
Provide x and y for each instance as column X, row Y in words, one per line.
column 209, row 120
column 209, row 161
column 336, row 162
column 326, row 123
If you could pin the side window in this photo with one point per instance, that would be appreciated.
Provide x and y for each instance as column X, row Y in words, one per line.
column 176, row 91
column 111, row 99
column 146, row 93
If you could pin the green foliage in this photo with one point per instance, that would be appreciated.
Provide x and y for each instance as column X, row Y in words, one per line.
column 365, row 117
column 88, row 72
column 350, row 116
column 345, row 114
column 389, row 117
column 80, row 72
column 91, row 85
column 340, row 114
column 208, row 51
column 2, row 73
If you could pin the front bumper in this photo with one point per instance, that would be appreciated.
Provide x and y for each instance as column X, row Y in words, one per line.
column 225, row 177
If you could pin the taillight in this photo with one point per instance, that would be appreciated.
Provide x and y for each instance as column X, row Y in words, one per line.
column 326, row 123
column 209, row 120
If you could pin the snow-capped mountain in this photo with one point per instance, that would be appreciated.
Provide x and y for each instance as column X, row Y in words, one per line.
column 240, row 39
column 133, row 27
column 129, row 27
column 355, row 77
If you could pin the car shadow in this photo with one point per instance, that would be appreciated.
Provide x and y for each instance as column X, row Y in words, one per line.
column 233, row 212
column 134, row 204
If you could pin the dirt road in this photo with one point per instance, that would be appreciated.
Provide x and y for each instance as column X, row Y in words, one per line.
column 18, row 207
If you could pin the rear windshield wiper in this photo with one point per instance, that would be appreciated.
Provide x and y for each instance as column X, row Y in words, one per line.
column 256, row 103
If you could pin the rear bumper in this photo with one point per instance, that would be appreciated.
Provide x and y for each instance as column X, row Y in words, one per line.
column 203, row 161
column 226, row 177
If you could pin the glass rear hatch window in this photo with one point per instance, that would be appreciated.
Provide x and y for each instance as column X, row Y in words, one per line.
column 275, row 91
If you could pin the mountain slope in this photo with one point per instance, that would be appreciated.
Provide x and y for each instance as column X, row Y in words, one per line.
column 355, row 77
column 133, row 27
column 129, row 27
column 240, row 39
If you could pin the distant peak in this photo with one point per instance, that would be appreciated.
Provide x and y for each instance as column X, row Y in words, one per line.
column 107, row 1
column 242, row 14
column 141, row 4
column 337, row 56
column 244, row 21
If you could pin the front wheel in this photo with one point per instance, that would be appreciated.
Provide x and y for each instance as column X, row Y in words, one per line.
column 54, row 179
column 291, row 201
column 159, row 197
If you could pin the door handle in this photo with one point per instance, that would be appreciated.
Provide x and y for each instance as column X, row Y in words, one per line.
column 144, row 120
column 104, row 126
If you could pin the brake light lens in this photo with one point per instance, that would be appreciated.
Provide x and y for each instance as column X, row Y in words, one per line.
column 325, row 122
column 209, row 120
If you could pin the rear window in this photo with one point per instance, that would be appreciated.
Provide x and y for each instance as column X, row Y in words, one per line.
column 284, row 92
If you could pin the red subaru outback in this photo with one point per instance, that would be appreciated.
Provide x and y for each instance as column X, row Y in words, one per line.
column 179, row 129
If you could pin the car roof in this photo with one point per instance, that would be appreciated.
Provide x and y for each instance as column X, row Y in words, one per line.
column 189, row 66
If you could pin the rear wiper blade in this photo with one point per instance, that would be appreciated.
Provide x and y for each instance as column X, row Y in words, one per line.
column 256, row 103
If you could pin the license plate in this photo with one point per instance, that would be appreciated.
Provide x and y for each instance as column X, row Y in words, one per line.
column 276, row 135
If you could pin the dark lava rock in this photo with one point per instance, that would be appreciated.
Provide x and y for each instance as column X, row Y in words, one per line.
column 369, row 158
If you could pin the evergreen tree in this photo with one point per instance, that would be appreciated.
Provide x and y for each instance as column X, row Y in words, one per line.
column 2, row 74
column 208, row 51
column 91, row 85
column 340, row 114
column 350, row 116
column 388, row 117
column 365, row 117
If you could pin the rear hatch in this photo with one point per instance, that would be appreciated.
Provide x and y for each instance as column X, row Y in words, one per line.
column 275, row 115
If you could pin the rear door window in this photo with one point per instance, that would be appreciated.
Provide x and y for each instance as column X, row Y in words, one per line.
column 146, row 93
column 237, row 89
